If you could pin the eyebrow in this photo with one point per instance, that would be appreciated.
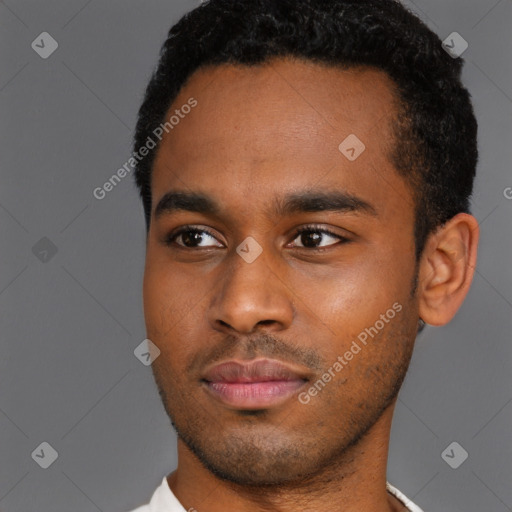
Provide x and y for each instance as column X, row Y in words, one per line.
column 310, row 201
column 319, row 201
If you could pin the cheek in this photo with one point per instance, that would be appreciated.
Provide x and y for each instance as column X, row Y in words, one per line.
column 168, row 297
column 349, row 290
column 352, row 297
column 173, row 307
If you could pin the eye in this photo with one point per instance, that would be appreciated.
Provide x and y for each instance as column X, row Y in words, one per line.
column 314, row 237
column 191, row 238
column 309, row 237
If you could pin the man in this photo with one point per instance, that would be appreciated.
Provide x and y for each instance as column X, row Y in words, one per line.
column 305, row 168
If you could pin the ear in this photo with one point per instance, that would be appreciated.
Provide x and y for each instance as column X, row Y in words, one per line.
column 446, row 270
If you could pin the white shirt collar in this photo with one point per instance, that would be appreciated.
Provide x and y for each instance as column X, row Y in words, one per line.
column 164, row 500
column 412, row 507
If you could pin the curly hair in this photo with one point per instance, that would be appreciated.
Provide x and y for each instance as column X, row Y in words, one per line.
column 434, row 129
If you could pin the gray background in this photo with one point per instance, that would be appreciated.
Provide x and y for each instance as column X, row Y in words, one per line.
column 69, row 325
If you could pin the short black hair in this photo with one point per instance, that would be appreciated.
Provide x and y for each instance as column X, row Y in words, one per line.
column 435, row 129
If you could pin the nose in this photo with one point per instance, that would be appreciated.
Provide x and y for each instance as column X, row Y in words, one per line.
column 251, row 295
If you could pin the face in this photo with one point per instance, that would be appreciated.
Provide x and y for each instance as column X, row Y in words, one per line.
column 268, row 241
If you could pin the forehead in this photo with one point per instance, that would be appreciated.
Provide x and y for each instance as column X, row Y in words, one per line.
column 279, row 126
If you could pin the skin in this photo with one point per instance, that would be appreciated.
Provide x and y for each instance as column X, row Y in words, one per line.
column 260, row 133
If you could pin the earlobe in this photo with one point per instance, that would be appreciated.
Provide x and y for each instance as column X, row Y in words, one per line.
column 446, row 269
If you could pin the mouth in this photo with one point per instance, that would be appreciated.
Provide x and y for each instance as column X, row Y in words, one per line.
column 257, row 384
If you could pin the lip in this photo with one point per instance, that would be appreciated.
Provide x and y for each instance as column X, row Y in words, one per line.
column 256, row 384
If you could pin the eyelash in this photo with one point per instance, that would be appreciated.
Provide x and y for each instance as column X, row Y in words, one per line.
column 171, row 238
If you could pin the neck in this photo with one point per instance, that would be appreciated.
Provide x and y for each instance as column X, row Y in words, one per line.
column 355, row 482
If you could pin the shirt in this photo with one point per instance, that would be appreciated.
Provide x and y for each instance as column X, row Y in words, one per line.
column 163, row 500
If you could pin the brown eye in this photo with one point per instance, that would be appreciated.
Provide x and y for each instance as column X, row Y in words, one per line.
column 191, row 238
column 316, row 238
